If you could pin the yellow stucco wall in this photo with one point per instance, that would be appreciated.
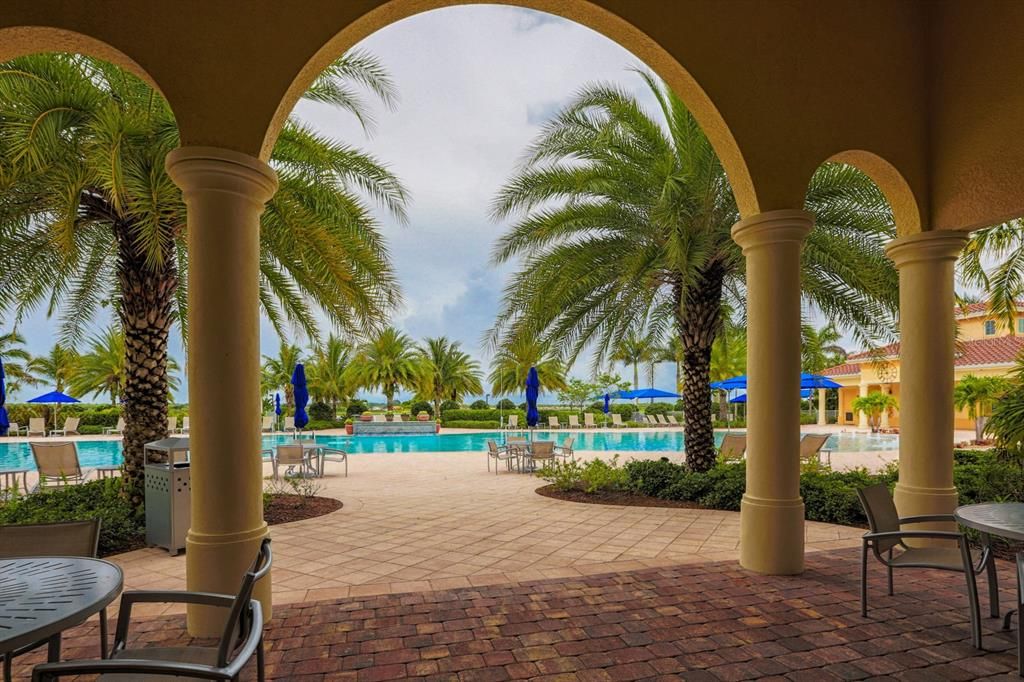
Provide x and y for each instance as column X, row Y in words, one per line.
column 972, row 328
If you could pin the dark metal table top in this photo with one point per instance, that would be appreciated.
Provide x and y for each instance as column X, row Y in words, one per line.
column 1005, row 519
column 41, row 596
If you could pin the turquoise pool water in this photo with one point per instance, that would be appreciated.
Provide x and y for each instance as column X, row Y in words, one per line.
column 108, row 453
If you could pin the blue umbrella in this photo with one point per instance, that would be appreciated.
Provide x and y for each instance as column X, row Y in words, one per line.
column 607, row 400
column 647, row 393
column 817, row 381
column 55, row 397
column 4, row 421
column 731, row 383
column 301, row 396
column 532, row 392
column 742, row 398
column 277, row 404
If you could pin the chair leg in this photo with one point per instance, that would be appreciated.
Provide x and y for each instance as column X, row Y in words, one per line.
column 990, row 574
column 891, row 593
column 260, row 663
column 972, row 595
column 103, row 633
column 864, row 579
column 8, row 675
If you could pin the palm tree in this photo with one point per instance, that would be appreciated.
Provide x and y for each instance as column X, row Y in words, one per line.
column 636, row 349
column 873, row 405
column 728, row 359
column 101, row 369
column 623, row 222
column 977, row 395
column 993, row 261
column 90, row 218
column 325, row 371
column 449, row 373
column 820, row 347
column 512, row 362
column 16, row 361
column 388, row 361
column 58, row 367
column 277, row 372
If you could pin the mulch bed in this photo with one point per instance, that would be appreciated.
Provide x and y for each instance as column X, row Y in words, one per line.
column 619, row 498
column 288, row 508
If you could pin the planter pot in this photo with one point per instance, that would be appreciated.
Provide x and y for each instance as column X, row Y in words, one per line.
column 366, row 417
column 348, row 429
column 423, row 417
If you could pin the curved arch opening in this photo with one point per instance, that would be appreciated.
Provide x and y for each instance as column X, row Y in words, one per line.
column 904, row 205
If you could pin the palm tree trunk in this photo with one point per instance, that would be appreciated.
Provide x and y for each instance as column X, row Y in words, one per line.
column 147, row 294
column 723, row 406
column 699, row 319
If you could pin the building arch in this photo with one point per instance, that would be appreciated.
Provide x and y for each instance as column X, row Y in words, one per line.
column 905, row 207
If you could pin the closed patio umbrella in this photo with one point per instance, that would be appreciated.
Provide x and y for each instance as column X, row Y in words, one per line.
column 607, row 407
column 4, row 421
column 301, row 396
column 532, row 393
column 277, row 410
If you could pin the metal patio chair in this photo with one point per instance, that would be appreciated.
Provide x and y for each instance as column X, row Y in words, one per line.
column 293, row 456
column 565, row 450
column 70, row 428
column 332, row 455
column 733, row 447
column 500, row 453
column 242, row 637
column 68, row 538
column 811, row 449
column 886, row 539
column 57, row 465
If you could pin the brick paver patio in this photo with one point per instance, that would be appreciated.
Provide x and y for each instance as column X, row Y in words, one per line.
column 708, row 621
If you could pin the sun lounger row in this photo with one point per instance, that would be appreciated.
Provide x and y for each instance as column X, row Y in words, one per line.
column 588, row 421
column 37, row 427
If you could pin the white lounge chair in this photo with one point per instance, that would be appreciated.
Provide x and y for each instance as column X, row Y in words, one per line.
column 289, row 425
column 651, row 420
column 672, row 420
column 14, row 429
column 116, row 430
column 553, row 423
column 70, row 428
column 268, row 423
column 379, row 418
column 661, row 420
column 397, row 418
column 588, row 420
column 57, row 464
column 574, row 421
column 172, row 425
column 513, row 422
column 617, row 419
column 36, row 427
column 185, row 426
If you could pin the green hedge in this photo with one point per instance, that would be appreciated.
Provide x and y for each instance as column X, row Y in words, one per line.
column 473, row 424
column 120, row 529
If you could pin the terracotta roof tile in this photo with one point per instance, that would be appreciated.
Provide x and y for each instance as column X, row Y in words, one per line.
column 840, row 370
column 995, row 351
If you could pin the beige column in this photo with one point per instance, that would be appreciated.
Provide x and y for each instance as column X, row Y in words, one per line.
column 772, row 513
column 862, row 417
column 822, row 405
column 884, row 388
column 925, row 262
column 224, row 192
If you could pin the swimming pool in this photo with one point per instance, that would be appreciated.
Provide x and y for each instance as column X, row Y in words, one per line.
column 94, row 453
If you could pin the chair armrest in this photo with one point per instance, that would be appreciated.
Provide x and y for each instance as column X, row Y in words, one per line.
column 251, row 644
column 900, row 534
column 128, row 599
column 127, row 666
column 928, row 518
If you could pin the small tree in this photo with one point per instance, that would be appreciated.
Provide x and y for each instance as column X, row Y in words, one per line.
column 577, row 392
column 874, row 405
column 976, row 395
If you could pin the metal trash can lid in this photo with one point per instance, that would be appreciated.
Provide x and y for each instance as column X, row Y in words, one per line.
column 168, row 444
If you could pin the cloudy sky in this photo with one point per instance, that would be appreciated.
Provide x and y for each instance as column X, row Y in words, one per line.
column 475, row 83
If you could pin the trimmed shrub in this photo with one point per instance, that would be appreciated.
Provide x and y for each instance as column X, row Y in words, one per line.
column 321, row 411
column 652, row 477
column 505, row 404
column 448, row 405
column 356, row 407
column 479, row 405
column 323, row 424
column 417, row 406
column 473, row 424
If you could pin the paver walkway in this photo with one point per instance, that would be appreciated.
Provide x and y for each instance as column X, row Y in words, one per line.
column 710, row 621
column 437, row 521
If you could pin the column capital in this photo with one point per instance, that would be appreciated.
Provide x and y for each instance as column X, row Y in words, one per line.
column 935, row 245
column 773, row 227
column 214, row 169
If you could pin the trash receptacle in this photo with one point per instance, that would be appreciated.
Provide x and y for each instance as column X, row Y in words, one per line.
column 168, row 495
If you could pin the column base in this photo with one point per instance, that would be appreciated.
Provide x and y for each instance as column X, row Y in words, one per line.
column 915, row 501
column 216, row 563
column 772, row 535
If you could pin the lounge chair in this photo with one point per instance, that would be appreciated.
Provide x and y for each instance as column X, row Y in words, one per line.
column 15, row 430
column 57, row 464
column 116, row 430
column 513, row 422
column 553, row 423
column 172, row 425
column 886, row 536
column 588, row 420
column 672, row 420
column 67, row 538
column 379, row 418
column 397, row 418
column 617, row 419
column 651, row 420
column 733, row 447
column 661, row 420
column 565, row 450
column 292, row 455
column 542, row 451
column 268, row 423
column 500, row 454
column 36, row 427
column 185, row 426
column 574, row 421
column 70, row 428
column 325, row 455
column 243, row 637
column 811, row 448
column 289, row 425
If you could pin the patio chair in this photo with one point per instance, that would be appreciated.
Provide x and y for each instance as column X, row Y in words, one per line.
column 172, row 425
column 518, row 446
column 70, row 428
column 588, row 420
column 115, row 430
column 513, row 422
column 397, row 418
column 811, row 449
column 57, row 464
column 1020, row 609
column 886, row 536
column 542, row 451
column 14, row 429
column 565, row 450
column 332, row 455
column 67, row 538
column 617, row 419
column 672, row 420
column 292, row 455
column 379, row 418
column 553, row 423
column 185, row 426
column 36, row 427
column 661, row 420
column 500, row 453
column 242, row 637
column 733, row 447
column 574, row 421
column 268, row 423
column 651, row 420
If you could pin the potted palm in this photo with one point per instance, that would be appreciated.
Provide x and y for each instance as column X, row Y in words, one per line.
column 874, row 405
column 348, row 426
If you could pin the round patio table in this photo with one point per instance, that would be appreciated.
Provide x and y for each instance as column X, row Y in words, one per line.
column 1005, row 519
column 40, row 597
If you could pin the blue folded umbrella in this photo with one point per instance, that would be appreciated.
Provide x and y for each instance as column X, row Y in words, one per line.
column 532, row 393
column 4, row 421
column 301, row 396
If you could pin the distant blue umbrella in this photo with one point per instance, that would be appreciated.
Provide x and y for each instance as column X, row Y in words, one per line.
column 647, row 393
column 607, row 403
column 4, row 421
column 55, row 397
column 277, row 404
column 301, row 396
column 532, row 392
column 817, row 381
